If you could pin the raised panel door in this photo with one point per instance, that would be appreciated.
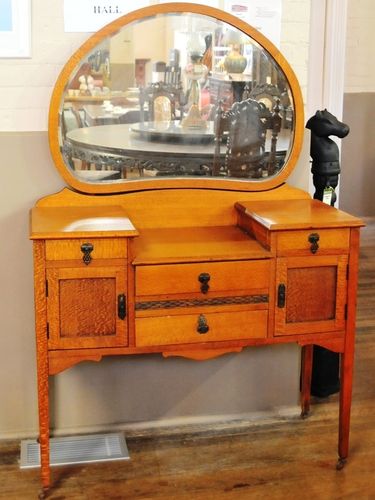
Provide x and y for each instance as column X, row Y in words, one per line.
column 310, row 294
column 86, row 307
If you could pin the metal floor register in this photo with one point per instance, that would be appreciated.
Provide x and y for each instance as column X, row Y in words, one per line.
column 76, row 450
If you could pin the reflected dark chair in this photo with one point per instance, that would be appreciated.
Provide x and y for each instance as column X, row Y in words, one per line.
column 83, row 162
column 270, row 95
column 242, row 131
column 164, row 102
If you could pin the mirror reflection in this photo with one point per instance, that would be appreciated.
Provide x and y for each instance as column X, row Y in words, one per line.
column 176, row 95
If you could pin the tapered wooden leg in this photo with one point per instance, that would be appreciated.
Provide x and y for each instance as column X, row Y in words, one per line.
column 347, row 359
column 42, row 362
column 306, row 371
column 43, row 402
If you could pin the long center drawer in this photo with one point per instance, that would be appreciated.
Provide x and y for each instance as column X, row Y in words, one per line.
column 193, row 328
column 202, row 278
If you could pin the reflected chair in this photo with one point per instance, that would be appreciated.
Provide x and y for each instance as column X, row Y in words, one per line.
column 164, row 102
column 243, row 131
column 90, row 166
column 271, row 95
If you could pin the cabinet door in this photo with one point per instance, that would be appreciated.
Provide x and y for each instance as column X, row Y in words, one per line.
column 310, row 294
column 86, row 307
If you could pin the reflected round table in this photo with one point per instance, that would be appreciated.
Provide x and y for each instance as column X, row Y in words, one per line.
column 163, row 148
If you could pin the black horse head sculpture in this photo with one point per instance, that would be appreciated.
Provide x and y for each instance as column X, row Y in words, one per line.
column 324, row 151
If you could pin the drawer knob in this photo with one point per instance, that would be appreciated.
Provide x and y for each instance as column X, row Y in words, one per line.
column 86, row 249
column 204, row 278
column 202, row 324
column 313, row 240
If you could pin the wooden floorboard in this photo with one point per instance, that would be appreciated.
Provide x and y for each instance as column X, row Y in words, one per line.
column 288, row 459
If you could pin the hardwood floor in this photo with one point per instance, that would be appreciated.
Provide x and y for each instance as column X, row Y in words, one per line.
column 289, row 459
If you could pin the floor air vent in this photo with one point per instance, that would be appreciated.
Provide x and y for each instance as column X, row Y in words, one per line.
column 76, row 450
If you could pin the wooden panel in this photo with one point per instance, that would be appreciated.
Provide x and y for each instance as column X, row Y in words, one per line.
column 281, row 215
column 183, row 278
column 174, row 207
column 75, row 222
column 168, row 330
column 255, row 229
column 311, row 294
column 87, row 307
column 71, row 248
column 297, row 242
column 316, row 294
column 82, row 307
column 196, row 244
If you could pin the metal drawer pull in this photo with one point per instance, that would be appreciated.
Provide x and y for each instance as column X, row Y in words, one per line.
column 313, row 240
column 121, row 306
column 202, row 324
column 204, row 278
column 281, row 292
column 86, row 249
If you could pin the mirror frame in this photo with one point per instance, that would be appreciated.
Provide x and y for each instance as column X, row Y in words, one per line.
column 174, row 182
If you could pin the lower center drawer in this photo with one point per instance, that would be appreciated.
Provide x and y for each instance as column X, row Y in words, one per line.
column 193, row 328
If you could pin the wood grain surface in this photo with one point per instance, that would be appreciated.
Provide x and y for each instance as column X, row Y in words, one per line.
column 275, row 460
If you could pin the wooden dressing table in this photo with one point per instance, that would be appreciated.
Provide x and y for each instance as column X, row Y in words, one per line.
column 187, row 266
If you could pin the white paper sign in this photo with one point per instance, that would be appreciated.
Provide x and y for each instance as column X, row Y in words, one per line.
column 263, row 16
column 91, row 15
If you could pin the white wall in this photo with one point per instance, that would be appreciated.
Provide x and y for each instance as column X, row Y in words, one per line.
column 360, row 47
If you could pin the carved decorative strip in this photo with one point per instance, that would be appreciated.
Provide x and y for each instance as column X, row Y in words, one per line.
column 215, row 301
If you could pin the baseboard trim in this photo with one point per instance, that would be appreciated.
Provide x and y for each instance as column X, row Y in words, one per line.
column 228, row 423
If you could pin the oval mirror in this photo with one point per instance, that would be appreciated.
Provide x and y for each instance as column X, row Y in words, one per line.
column 169, row 97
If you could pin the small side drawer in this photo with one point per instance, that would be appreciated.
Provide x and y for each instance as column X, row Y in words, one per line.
column 193, row 328
column 202, row 278
column 73, row 249
column 313, row 242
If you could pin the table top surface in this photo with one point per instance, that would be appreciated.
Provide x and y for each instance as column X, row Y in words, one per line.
column 124, row 139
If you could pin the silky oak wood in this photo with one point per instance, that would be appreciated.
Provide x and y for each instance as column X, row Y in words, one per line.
column 82, row 307
column 68, row 222
column 347, row 357
column 241, row 459
column 330, row 242
column 297, row 214
column 183, row 329
column 103, row 248
column 42, row 359
column 153, row 255
column 224, row 277
column 309, row 293
column 306, row 376
column 172, row 207
column 195, row 244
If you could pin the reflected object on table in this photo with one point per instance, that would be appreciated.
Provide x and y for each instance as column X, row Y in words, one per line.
column 196, row 72
column 173, row 132
column 234, row 61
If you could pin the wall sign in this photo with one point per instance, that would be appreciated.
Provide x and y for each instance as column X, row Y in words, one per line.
column 91, row 15
column 263, row 16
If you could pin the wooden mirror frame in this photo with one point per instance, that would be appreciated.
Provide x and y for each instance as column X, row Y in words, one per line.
column 175, row 182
